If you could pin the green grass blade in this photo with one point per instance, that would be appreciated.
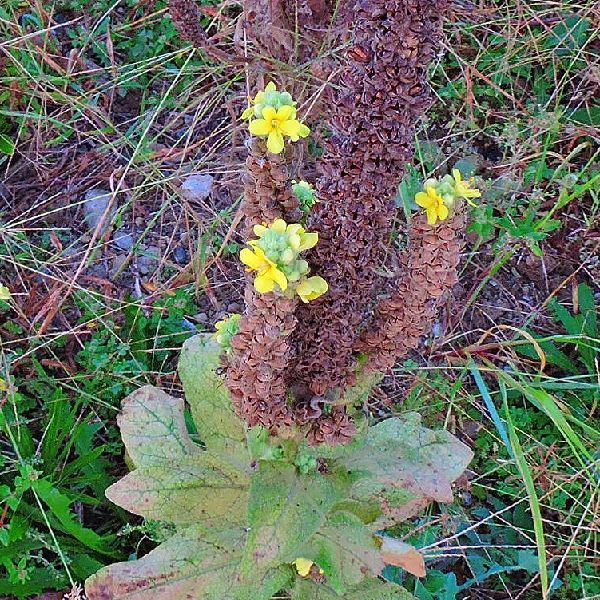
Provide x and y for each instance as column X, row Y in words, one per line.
column 534, row 503
column 489, row 403
column 546, row 403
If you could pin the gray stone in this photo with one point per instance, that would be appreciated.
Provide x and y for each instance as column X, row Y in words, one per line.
column 149, row 260
column 96, row 201
column 99, row 270
column 197, row 187
column 117, row 264
column 124, row 241
column 201, row 317
column 181, row 255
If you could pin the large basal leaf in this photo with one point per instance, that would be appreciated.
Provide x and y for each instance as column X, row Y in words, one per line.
column 198, row 489
column 344, row 548
column 285, row 509
column 218, row 425
column 153, row 428
column 405, row 465
column 369, row 589
column 189, row 565
column 176, row 481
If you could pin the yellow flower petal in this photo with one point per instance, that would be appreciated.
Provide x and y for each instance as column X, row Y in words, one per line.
column 260, row 127
column 308, row 240
column 4, row 293
column 431, row 215
column 278, row 277
column 269, row 113
column 443, row 212
column 248, row 112
column 457, row 176
column 260, row 230
column 303, row 566
column 286, row 113
column 270, row 87
column 274, row 142
column 312, row 288
column 264, row 284
column 294, row 241
column 294, row 228
column 291, row 128
column 424, row 200
column 304, row 130
column 251, row 259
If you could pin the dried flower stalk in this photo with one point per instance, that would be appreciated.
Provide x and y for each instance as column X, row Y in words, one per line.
column 430, row 272
column 255, row 374
column 383, row 93
column 267, row 192
column 261, row 349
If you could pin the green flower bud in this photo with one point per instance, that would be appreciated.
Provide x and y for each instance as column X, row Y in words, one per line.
column 287, row 256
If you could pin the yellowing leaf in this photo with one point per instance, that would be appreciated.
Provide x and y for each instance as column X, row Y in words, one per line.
column 218, row 425
column 153, row 428
column 397, row 553
column 199, row 489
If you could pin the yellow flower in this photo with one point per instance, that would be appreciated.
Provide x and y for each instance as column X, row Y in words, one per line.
column 4, row 293
column 463, row 188
column 303, row 566
column 311, row 288
column 433, row 203
column 277, row 123
column 268, row 274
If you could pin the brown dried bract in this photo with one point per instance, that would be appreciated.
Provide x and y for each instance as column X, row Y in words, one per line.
column 383, row 92
column 255, row 373
column 430, row 272
column 267, row 186
column 261, row 348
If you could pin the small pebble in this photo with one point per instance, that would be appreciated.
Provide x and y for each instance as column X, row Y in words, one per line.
column 181, row 255
column 124, row 241
column 197, row 187
column 96, row 201
column 117, row 263
column 148, row 261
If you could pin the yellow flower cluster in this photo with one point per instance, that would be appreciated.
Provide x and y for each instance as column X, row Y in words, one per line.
column 439, row 197
column 274, row 256
column 272, row 115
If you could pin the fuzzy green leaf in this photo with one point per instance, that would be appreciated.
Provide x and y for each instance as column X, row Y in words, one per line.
column 191, row 564
column 344, row 548
column 198, row 489
column 285, row 509
column 402, row 458
column 218, row 425
column 369, row 589
column 153, row 428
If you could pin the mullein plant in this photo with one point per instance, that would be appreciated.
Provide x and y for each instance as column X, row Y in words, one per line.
column 283, row 485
